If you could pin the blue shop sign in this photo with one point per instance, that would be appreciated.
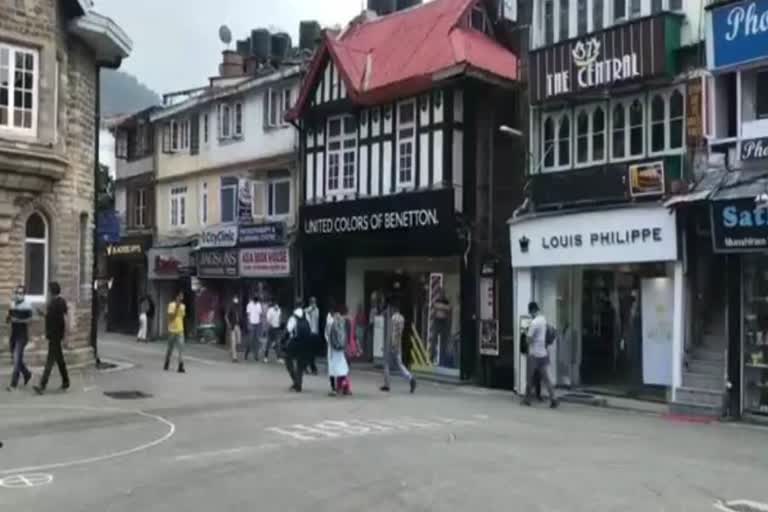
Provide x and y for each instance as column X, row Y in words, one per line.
column 262, row 235
column 739, row 33
column 739, row 225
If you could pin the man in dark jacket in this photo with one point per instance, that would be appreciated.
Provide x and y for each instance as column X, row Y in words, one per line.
column 55, row 330
column 298, row 346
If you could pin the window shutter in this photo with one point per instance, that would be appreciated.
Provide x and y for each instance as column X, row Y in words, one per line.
column 259, row 199
column 194, row 134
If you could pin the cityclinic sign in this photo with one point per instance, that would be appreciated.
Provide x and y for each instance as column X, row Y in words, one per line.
column 739, row 33
column 626, row 235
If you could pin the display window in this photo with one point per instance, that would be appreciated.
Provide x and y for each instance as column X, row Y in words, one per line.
column 755, row 333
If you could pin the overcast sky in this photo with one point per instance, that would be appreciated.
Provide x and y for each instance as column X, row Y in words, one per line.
column 176, row 44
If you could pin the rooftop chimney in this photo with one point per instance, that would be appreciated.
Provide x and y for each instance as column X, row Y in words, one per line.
column 231, row 64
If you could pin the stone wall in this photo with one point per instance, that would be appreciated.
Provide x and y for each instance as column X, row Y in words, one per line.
column 67, row 201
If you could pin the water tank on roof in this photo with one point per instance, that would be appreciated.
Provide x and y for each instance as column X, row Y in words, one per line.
column 261, row 44
column 281, row 45
column 244, row 47
column 384, row 7
column 407, row 4
column 309, row 34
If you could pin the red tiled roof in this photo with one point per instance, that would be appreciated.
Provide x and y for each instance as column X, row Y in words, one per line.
column 400, row 54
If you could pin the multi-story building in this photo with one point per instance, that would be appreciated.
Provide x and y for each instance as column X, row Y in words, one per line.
column 616, row 99
column 134, row 191
column 50, row 56
column 225, row 190
column 726, row 217
column 399, row 118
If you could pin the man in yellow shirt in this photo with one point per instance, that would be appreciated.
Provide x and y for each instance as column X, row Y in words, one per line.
column 176, row 313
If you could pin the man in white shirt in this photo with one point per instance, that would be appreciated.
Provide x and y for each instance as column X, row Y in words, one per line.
column 273, row 333
column 254, row 312
column 538, row 355
column 312, row 313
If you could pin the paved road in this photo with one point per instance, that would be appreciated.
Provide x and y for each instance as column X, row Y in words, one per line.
column 227, row 437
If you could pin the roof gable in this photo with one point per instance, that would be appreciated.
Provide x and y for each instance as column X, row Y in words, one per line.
column 402, row 53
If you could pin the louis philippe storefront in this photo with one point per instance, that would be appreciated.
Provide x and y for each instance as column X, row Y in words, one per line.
column 612, row 284
column 402, row 249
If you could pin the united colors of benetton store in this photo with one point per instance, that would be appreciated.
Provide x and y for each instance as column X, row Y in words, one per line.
column 611, row 283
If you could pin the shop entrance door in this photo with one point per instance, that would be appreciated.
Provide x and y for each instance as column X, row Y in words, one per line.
column 396, row 288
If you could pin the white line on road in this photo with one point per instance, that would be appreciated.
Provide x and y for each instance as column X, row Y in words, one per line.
column 101, row 458
column 230, row 451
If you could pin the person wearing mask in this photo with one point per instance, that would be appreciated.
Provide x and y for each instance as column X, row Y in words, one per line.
column 55, row 331
column 393, row 350
column 273, row 334
column 538, row 355
column 233, row 326
column 254, row 311
column 177, row 311
column 338, row 369
column 19, row 316
column 298, row 346
column 312, row 313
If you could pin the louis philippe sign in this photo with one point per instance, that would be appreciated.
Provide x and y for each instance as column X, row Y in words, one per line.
column 614, row 56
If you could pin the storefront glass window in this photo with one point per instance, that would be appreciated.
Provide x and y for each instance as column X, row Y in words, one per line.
column 755, row 334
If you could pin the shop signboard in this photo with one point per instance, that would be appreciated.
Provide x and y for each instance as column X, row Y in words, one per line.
column 221, row 236
column 168, row 263
column 739, row 225
column 217, row 263
column 244, row 203
column 265, row 262
column 612, row 57
column 626, row 235
column 646, row 179
column 754, row 149
column 738, row 34
column 262, row 235
column 417, row 215
column 489, row 337
column 130, row 248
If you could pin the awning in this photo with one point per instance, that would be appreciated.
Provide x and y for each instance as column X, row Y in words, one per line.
column 742, row 184
column 702, row 190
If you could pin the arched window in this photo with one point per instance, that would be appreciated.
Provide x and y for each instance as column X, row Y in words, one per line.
column 582, row 137
column 549, row 142
column 598, row 135
column 36, row 248
column 619, row 131
column 658, row 124
column 676, row 117
column 636, row 128
column 564, row 141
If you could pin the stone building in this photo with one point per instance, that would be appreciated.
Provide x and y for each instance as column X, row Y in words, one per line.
column 50, row 56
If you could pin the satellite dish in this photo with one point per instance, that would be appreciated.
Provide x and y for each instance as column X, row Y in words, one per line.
column 225, row 35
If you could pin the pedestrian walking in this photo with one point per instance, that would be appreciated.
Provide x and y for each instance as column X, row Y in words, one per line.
column 141, row 336
column 538, row 355
column 56, row 327
column 19, row 316
column 233, row 326
column 338, row 368
column 393, row 350
column 177, row 311
column 273, row 334
column 297, row 346
column 254, row 311
column 312, row 313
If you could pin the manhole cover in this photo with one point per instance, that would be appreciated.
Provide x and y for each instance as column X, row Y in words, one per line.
column 742, row 506
column 102, row 365
column 127, row 395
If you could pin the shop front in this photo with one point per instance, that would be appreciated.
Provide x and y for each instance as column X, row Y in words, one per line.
column 170, row 271
column 217, row 280
column 740, row 232
column 370, row 256
column 127, row 278
column 611, row 283
column 266, row 264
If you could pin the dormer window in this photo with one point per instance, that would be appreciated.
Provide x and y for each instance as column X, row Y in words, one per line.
column 478, row 20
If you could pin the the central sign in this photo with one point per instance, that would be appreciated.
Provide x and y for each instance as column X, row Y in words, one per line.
column 615, row 56
column 626, row 235
column 414, row 214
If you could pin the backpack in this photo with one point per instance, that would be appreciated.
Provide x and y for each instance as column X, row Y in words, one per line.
column 303, row 331
column 338, row 336
column 551, row 336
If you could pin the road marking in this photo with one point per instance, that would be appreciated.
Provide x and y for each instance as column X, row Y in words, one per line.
column 25, row 481
column 100, row 458
column 230, row 451
column 336, row 429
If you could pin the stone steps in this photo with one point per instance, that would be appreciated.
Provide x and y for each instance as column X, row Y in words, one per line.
column 713, row 368
column 695, row 410
column 700, row 396
column 703, row 381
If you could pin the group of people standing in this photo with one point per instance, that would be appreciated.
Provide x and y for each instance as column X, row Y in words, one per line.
column 20, row 314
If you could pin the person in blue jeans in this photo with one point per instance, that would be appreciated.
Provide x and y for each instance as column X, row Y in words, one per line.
column 19, row 316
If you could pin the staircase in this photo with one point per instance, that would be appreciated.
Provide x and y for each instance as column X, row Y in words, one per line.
column 703, row 388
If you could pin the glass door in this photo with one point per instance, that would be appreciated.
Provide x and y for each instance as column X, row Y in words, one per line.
column 755, row 334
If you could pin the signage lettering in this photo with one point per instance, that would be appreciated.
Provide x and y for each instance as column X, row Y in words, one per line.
column 217, row 263
column 373, row 222
column 603, row 238
column 756, row 149
column 262, row 234
column 746, row 22
column 266, row 262
column 592, row 72
column 739, row 225
column 220, row 236
column 124, row 250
